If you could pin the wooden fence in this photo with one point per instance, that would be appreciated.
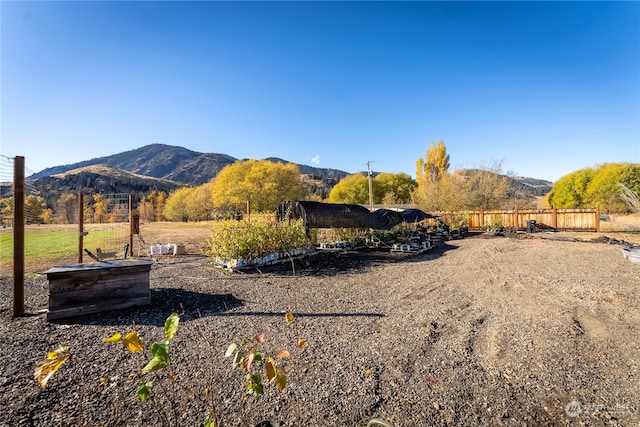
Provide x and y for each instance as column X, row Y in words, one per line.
column 546, row 219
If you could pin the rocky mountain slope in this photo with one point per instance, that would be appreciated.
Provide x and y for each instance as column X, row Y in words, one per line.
column 177, row 164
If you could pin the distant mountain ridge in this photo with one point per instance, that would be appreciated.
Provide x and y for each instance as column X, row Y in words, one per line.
column 165, row 168
column 176, row 164
column 100, row 178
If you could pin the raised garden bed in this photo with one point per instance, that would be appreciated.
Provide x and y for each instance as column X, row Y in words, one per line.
column 78, row 289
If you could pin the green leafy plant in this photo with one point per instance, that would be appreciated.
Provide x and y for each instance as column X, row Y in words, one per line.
column 159, row 361
column 456, row 220
column 248, row 357
column 494, row 227
column 145, row 391
column 159, row 351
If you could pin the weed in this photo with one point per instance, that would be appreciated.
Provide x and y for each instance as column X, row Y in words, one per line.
column 247, row 356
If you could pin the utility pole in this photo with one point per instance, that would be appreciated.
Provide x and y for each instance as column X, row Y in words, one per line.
column 370, row 187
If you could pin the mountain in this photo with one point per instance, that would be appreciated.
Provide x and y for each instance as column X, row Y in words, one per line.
column 536, row 187
column 99, row 178
column 526, row 187
column 165, row 168
column 332, row 176
column 158, row 161
column 177, row 164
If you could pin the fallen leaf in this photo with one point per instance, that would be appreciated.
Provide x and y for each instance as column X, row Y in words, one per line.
column 47, row 367
column 281, row 380
column 284, row 354
column 132, row 342
column 113, row 338
column 289, row 317
column 270, row 367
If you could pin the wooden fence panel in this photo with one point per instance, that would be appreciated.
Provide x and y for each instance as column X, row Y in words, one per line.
column 546, row 219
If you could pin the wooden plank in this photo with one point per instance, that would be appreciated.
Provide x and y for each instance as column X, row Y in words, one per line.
column 96, row 287
column 62, row 313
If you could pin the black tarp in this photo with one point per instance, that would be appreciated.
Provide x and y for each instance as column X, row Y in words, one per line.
column 337, row 215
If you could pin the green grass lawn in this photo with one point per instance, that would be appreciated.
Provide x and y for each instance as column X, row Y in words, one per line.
column 50, row 244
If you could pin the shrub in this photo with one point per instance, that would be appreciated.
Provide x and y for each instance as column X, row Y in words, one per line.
column 252, row 239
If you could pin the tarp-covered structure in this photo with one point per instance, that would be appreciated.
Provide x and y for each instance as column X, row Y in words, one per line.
column 337, row 215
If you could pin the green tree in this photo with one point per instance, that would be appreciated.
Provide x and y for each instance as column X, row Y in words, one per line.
column 570, row 190
column 604, row 188
column 351, row 189
column 262, row 183
column 393, row 188
column 600, row 185
column 176, row 205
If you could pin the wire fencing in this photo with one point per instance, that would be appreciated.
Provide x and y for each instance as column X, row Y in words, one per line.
column 55, row 229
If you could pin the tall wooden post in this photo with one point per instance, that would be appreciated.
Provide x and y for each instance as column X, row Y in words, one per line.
column 598, row 218
column 554, row 223
column 516, row 219
column 132, row 227
column 18, row 236
column 81, row 232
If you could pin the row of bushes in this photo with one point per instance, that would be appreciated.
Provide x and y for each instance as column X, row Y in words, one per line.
column 255, row 238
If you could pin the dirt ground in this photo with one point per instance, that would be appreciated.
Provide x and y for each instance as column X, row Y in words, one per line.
column 528, row 330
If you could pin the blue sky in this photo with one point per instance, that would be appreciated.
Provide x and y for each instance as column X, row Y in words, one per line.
column 540, row 88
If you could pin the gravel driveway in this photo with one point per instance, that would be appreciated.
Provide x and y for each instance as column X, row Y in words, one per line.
column 478, row 331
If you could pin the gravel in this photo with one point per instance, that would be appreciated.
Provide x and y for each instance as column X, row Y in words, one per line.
column 479, row 331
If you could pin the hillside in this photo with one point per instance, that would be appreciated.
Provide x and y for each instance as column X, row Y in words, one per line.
column 536, row 187
column 177, row 164
column 100, row 179
column 527, row 187
column 164, row 168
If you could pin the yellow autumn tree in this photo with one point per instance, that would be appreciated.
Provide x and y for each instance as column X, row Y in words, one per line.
column 392, row 188
column 261, row 183
column 351, row 189
column 435, row 165
column 431, row 177
column 200, row 204
column 388, row 188
column 100, row 208
column 176, row 206
column 151, row 206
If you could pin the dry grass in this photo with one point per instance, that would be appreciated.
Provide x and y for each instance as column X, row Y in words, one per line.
column 192, row 235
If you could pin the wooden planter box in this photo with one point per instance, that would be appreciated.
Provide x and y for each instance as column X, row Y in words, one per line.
column 96, row 287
